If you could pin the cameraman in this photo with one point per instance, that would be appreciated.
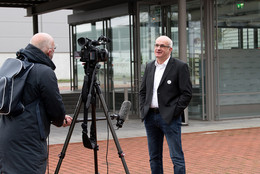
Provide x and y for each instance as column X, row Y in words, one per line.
column 23, row 147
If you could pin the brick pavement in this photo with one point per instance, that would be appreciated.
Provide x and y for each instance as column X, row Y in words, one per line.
column 234, row 151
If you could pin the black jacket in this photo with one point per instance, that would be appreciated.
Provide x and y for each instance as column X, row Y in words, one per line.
column 174, row 91
column 23, row 147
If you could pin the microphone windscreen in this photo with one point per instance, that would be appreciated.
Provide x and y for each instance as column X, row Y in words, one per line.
column 124, row 110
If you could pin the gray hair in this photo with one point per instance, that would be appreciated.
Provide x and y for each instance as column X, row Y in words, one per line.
column 167, row 39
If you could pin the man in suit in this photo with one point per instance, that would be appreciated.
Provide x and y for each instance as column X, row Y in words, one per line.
column 165, row 92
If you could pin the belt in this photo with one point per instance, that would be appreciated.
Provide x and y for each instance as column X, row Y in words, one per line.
column 154, row 110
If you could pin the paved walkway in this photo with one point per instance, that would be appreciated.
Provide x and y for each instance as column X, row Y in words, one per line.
column 217, row 147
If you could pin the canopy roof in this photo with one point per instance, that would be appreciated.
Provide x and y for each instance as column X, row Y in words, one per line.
column 35, row 7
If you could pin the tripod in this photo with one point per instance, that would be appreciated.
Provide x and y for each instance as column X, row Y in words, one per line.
column 91, row 87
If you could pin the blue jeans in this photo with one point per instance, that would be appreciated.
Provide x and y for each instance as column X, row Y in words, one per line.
column 156, row 128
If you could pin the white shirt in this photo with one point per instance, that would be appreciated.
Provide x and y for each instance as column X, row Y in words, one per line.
column 159, row 70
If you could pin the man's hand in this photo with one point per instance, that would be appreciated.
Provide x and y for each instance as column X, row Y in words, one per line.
column 67, row 121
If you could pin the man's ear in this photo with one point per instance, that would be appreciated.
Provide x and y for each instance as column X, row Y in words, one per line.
column 48, row 52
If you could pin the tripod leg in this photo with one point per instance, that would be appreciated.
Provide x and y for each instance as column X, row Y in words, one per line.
column 65, row 146
column 120, row 152
column 94, row 136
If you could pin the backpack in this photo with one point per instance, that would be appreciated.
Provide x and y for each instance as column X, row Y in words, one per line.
column 13, row 74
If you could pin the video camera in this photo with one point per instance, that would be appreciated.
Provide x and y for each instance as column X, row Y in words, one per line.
column 90, row 52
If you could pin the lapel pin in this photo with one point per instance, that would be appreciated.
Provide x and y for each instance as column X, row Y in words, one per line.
column 169, row 82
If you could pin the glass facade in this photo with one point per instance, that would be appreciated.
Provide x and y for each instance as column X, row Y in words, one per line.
column 231, row 64
column 238, row 59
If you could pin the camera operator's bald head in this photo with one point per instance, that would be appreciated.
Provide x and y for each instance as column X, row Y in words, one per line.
column 44, row 42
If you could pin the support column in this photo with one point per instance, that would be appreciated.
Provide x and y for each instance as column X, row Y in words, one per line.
column 35, row 24
column 210, row 61
column 183, row 43
column 182, row 30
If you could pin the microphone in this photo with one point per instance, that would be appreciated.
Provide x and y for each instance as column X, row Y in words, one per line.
column 123, row 113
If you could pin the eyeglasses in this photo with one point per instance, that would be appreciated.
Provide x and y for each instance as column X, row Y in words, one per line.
column 53, row 48
column 161, row 46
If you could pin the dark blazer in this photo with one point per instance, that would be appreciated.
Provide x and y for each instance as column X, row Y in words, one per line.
column 174, row 91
